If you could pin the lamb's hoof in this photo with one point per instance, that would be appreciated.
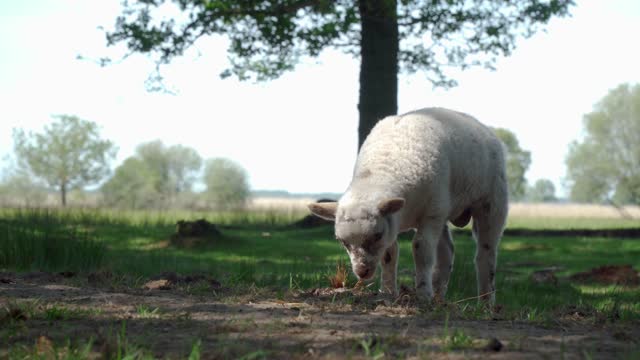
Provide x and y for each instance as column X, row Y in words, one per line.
column 423, row 295
column 487, row 299
column 438, row 298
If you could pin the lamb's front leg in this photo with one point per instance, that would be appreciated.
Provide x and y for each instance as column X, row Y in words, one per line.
column 389, row 264
column 444, row 264
column 425, row 243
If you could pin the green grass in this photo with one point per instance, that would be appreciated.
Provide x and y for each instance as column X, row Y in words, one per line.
column 144, row 311
column 44, row 243
column 455, row 339
column 45, row 349
column 261, row 250
column 372, row 348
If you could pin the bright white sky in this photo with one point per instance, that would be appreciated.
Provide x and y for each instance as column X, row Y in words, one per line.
column 298, row 133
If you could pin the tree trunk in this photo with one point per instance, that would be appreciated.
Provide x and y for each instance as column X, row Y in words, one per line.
column 379, row 45
column 63, row 194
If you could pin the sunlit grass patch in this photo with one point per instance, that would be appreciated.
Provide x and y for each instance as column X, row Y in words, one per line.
column 146, row 312
column 522, row 246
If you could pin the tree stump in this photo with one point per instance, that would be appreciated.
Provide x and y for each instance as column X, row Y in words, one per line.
column 195, row 233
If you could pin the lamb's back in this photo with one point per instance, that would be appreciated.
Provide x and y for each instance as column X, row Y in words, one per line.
column 430, row 146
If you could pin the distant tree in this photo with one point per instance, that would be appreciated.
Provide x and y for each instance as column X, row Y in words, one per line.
column 227, row 184
column 542, row 190
column 132, row 186
column 154, row 176
column 154, row 156
column 268, row 38
column 175, row 168
column 184, row 167
column 68, row 155
column 518, row 161
column 17, row 187
column 605, row 165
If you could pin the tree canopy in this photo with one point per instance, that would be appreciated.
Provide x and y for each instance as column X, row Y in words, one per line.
column 227, row 184
column 269, row 37
column 605, row 165
column 175, row 167
column 132, row 186
column 154, row 176
column 518, row 161
column 542, row 190
column 18, row 188
column 68, row 155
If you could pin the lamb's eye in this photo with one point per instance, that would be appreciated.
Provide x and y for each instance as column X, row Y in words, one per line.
column 377, row 237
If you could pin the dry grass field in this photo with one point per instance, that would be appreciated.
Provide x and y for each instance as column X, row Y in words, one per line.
column 520, row 214
column 537, row 210
column 571, row 210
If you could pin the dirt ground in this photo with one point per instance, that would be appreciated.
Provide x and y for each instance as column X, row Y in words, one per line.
column 165, row 318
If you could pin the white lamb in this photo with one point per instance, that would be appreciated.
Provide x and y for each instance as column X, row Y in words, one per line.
column 418, row 171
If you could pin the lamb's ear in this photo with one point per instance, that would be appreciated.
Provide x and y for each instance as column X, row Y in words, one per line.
column 389, row 206
column 325, row 210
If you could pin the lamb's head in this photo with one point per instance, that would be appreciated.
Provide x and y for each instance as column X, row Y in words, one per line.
column 364, row 231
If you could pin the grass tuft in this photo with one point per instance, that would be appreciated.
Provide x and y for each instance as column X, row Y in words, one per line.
column 195, row 351
column 339, row 279
column 42, row 241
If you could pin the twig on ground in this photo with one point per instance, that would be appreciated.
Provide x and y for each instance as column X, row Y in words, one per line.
column 474, row 297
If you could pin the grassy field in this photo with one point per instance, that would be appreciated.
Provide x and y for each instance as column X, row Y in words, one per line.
column 261, row 257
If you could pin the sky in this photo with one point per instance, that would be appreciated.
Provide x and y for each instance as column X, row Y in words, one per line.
column 299, row 132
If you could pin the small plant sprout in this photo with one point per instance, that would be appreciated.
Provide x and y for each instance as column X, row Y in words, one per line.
column 195, row 351
column 372, row 348
column 145, row 311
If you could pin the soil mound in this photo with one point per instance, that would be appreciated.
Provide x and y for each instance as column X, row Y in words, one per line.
column 312, row 221
column 610, row 274
column 193, row 233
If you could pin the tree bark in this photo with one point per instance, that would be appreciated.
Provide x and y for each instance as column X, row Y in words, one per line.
column 63, row 194
column 379, row 63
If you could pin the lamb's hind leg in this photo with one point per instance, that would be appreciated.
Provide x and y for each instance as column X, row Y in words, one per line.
column 488, row 224
column 444, row 263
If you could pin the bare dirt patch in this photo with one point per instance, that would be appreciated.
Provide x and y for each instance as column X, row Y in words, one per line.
column 610, row 274
column 257, row 323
